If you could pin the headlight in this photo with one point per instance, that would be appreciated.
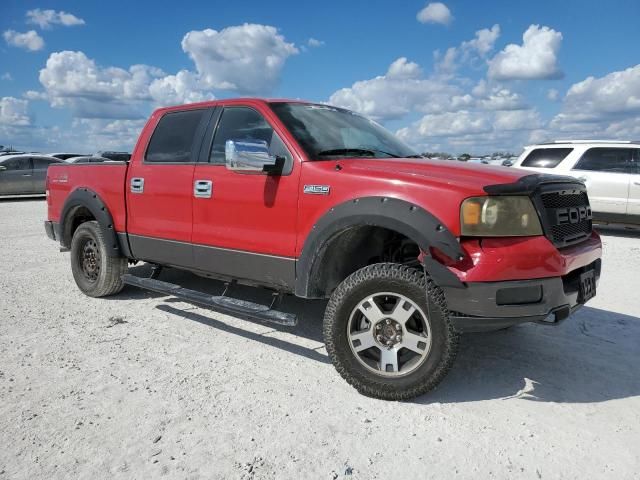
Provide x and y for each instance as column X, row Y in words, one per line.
column 499, row 217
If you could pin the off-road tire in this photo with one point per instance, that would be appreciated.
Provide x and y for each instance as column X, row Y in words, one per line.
column 413, row 284
column 108, row 277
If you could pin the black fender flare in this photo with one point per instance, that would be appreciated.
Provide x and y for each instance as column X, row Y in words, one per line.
column 394, row 214
column 87, row 198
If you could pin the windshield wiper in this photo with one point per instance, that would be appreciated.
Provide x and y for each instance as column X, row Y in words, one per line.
column 346, row 151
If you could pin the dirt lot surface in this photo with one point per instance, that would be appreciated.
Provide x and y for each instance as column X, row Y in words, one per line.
column 142, row 386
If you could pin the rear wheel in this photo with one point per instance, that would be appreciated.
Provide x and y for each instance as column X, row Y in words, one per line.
column 96, row 273
column 388, row 333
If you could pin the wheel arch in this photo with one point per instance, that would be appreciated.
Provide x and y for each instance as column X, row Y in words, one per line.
column 83, row 204
column 317, row 268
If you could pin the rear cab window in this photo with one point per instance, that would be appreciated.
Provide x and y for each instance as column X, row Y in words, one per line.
column 175, row 138
column 545, row 157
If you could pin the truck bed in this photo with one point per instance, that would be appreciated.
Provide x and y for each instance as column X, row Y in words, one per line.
column 106, row 179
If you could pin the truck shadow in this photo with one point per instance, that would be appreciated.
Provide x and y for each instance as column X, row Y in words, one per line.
column 592, row 357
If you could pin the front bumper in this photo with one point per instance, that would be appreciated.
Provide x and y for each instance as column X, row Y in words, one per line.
column 485, row 306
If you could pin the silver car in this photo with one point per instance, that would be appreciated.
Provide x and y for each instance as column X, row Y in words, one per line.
column 24, row 174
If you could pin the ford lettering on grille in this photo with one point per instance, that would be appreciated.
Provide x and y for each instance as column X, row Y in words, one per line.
column 572, row 215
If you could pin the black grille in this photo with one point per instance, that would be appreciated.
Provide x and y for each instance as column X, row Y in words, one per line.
column 566, row 216
column 557, row 200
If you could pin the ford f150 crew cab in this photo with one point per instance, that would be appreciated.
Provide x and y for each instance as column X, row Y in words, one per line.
column 320, row 202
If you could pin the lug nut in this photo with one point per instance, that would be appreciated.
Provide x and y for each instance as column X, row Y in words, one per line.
column 379, row 337
column 398, row 327
column 398, row 338
column 388, row 322
column 389, row 343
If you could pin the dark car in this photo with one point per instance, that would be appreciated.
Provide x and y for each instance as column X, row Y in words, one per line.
column 116, row 156
column 24, row 174
column 67, row 156
column 88, row 159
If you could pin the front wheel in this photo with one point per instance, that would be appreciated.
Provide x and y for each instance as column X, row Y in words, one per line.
column 96, row 273
column 388, row 333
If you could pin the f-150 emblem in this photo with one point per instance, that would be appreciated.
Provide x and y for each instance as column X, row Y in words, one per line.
column 317, row 189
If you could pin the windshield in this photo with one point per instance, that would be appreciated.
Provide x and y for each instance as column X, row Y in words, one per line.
column 328, row 132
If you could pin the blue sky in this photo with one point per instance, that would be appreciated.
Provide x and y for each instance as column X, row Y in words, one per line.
column 455, row 76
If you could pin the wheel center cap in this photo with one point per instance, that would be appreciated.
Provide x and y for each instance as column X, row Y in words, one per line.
column 388, row 332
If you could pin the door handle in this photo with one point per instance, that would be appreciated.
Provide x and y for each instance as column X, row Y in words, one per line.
column 202, row 188
column 137, row 185
column 636, row 183
column 26, row 174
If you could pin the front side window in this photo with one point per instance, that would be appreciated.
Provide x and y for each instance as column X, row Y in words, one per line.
column 173, row 139
column 326, row 132
column 601, row 159
column 243, row 123
column 546, row 157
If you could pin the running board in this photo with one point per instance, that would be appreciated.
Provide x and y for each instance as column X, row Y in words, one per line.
column 230, row 306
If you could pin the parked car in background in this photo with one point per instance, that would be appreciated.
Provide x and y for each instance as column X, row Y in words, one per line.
column 508, row 162
column 88, row 159
column 67, row 156
column 609, row 169
column 116, row 156
column 24, row 174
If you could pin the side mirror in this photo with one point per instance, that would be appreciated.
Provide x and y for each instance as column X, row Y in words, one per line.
column 2, row 168
column 251, row 156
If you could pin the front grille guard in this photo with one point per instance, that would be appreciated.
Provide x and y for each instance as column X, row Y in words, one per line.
column 571, row 200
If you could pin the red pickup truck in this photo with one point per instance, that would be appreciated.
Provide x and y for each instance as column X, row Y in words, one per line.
column 320, row 202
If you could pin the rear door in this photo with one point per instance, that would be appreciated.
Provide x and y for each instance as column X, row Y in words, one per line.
column 160, row 189
column 15, row 179
column 246, row 226
column 606, row 172
column 39, row 175
column 633, row 207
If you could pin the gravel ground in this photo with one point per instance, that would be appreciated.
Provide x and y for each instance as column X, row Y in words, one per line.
column 142, row 386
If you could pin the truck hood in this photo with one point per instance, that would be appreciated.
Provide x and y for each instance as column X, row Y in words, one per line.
column 468, row 178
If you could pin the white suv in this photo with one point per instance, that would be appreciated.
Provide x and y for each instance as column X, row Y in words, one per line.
column 611, row 171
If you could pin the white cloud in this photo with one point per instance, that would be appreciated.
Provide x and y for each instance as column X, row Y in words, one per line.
column 402, row 68
column 553, row 94
column 34, row 95
column 536, row 58
column 6, row 76
column 436, row 12
column 13, row 112
column 484, row 40
column 609, row 104
column 73, row 80
column 502, row 99
column 470, row 50
column 183, row 87
column 46, row 18
column 397, row 93
column 29, row 40
column 313, row 42
column 246, row 58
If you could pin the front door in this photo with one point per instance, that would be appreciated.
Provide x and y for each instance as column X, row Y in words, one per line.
column 160, row 189
column 246, row 227
column 15, row 178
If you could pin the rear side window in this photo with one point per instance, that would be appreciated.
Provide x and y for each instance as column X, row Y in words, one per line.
column 546, row 157
column 614, row 160
column 174, row 137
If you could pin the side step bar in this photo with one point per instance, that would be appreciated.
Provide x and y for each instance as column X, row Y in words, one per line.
column 230, row 306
